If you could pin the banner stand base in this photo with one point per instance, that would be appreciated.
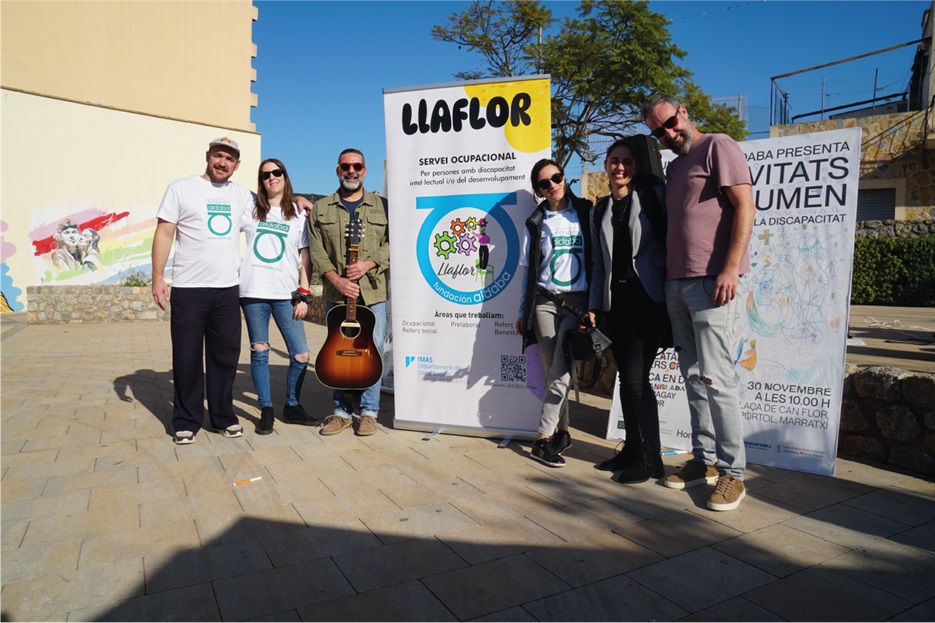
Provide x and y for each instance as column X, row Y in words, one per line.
column 432, row 435
column 433, row 429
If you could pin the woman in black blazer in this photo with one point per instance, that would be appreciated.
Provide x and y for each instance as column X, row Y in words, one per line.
column 628, row 277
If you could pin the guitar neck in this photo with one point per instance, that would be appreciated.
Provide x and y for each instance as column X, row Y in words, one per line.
column 352, row 300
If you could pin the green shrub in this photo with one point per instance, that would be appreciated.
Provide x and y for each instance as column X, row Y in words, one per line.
column 137, row 279
column 919, row 259
column 894, row 271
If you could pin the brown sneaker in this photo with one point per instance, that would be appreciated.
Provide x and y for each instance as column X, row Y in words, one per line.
column 727, row 494
column 334, row 424
column 692, row 475
column 366, row 426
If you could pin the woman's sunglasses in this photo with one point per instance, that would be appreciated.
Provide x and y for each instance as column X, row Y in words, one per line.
column 547, row 183
column 344, row 166
column 276, row 172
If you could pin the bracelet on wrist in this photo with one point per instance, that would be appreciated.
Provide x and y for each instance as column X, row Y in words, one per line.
column 302, row 296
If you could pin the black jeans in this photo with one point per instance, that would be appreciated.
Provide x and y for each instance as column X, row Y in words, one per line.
column 206, row 337
column 636, row 324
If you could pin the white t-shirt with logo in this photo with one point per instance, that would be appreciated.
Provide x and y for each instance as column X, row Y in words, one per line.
column 270, row 264
column 207, row 218
column 562, row 253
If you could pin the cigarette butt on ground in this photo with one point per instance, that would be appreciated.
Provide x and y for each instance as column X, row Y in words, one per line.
column 249, row 480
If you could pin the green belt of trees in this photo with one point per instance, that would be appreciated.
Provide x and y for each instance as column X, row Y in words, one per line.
column 894, row 271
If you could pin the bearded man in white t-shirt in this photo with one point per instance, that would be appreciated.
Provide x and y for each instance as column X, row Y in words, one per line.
column 202, row 213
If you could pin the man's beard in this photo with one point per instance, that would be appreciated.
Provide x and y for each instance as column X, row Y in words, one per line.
column 349, row 184
column 686, row 145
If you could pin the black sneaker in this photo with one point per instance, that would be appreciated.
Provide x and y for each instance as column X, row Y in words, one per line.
column 561, row 441
column 543, row 452
column 295, row 414
column 265, row 427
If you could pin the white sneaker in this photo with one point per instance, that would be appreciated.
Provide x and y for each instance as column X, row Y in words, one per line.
column 234, row 430
column 183, row 437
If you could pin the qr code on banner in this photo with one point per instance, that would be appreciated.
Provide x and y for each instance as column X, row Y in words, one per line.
column 513, row 368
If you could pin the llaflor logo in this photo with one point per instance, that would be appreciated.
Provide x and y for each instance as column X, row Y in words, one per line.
column 468, row 247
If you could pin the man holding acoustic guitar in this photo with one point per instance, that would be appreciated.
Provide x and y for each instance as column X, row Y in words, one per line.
column 349, row 247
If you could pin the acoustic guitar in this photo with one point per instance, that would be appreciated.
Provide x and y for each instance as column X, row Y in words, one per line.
column 349, row 359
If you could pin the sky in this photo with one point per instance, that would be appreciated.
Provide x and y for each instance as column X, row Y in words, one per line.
column 322, row 66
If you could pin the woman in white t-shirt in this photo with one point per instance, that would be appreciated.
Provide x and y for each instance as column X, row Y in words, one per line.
column 556, row 256
column 272, row 283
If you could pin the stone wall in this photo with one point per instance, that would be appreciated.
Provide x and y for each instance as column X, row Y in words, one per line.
column 888, row 416
column 84, row 304
column 917, row 228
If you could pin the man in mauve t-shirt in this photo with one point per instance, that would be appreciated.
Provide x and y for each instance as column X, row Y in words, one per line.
column 709, row 201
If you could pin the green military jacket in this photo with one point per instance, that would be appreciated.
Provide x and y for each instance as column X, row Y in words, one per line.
column 327, row 231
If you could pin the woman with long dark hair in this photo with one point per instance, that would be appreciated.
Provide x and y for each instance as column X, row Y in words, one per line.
column 628, row 228
column 556, row 256
column 273, row 283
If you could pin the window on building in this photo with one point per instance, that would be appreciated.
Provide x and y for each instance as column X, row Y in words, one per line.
column 876, row 204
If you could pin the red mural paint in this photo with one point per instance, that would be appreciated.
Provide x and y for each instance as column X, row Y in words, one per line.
column 47, row 244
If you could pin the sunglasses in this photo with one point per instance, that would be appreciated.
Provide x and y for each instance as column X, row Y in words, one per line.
column 547, row 183
column 275, row 172
column 668, row 124
column 358, row 166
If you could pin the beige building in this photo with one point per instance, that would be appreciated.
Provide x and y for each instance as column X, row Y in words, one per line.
column 100, row 111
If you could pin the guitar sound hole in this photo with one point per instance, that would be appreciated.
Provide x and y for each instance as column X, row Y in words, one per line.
column 349, row 331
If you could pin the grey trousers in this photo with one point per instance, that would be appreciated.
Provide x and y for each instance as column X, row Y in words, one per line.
column 551, row 322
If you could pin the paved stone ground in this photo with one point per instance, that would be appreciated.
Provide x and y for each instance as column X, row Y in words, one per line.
column 903, row 337
column 104, row 518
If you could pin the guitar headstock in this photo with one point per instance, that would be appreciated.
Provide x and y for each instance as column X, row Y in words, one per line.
column 354, row 232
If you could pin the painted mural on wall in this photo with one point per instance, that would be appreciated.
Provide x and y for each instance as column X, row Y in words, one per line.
column 90, row 246
column 9, row 294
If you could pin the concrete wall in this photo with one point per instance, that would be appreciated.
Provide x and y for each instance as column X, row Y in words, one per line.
column 102, row 169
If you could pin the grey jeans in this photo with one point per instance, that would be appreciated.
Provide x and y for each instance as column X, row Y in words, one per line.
column 704, row 332
column 551, row 322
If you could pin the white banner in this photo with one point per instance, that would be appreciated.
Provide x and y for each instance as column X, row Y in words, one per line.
column 790, row 341
column 458, row 164
column 667, row 382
